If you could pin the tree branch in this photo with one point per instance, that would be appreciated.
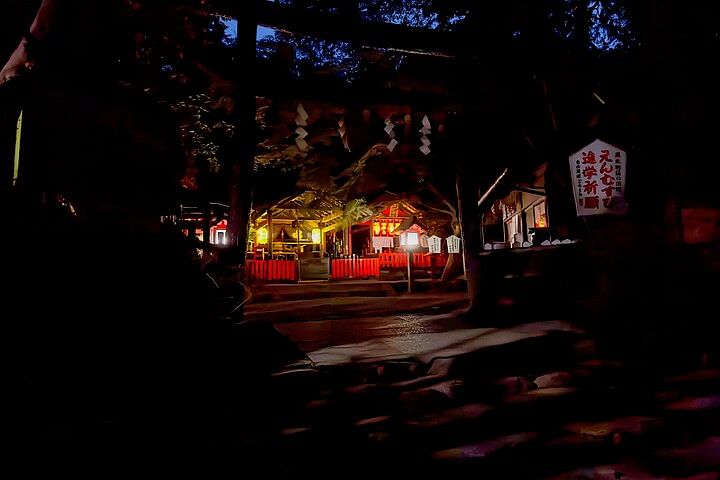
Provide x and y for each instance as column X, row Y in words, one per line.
column 21, row 60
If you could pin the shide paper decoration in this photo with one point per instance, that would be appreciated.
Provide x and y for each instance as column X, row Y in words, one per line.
column 389, row 126
column 342, row 130
column 425, row 130
column 301, row 121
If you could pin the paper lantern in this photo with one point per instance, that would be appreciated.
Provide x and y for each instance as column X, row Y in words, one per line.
column 262, row 236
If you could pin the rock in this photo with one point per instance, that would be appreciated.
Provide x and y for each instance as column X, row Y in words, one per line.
column 598, row 363
column 636, row 425
column 376, row 429
column 296, row 437
column 466, row 413
column 368, row 399
column 607, row 472
column 442, row 366
column 696, row 404
column 294, row 431
column 698, row 458
column 484, row 449
column 667, row 396
column 295, row 380
column 706, row 375
column 585, row 349
column 555, row 379
column 701, row 476
column 417, row 382
column 366, row 389
column 574, row 442
column 374, row 421
column 423, row 401
column 543, row 394
column 451, row 388
column 394, row 371
column 696, row 383
column 319, row 404
column 514, row 385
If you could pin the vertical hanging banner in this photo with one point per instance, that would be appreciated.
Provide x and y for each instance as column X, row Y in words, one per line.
column 598, row 172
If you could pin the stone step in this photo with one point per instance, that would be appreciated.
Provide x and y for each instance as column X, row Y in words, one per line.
column 283, row 293
column 486, row 449
column 693, row 459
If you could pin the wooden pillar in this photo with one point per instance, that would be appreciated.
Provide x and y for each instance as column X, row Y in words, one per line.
column 349, row 240
column 206, row 227
column 271, row 237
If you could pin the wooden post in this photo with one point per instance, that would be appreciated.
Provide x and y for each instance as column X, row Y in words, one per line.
column 349, row 240
column 409, row 273
column 271, row 237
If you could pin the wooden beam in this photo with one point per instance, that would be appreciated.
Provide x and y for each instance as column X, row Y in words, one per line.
column 351, row 28
column 318, row 88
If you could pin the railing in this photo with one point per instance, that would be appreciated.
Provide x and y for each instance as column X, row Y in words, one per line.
column 397, row 260
column 354, row 268
column 272, row 270
column 287, row 270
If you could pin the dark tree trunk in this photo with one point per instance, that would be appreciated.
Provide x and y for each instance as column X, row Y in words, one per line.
column 243, row 158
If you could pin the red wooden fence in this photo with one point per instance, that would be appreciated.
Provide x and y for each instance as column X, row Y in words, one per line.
column 397, row 260
column 272, row 270
column 287, row 270
column 354, row 268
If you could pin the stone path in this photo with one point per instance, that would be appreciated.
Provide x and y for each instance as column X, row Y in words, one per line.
column 398, row 386
column 532, row 401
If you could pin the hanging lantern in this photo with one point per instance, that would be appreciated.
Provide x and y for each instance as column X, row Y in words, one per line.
column 413, row 239
column 316, row 234
column 262, row 236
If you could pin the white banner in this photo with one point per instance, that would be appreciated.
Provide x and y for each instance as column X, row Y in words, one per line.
column 598, row 172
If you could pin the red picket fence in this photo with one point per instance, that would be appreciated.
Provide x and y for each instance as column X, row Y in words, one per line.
column 397, row 260
column 272, row 270
column 287, row 270
column 354, row 268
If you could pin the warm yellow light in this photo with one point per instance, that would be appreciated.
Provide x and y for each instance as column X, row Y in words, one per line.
column 541, row 221
column 413, row 239
column 18, row 138
column 262, row 236
column 316, row 236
